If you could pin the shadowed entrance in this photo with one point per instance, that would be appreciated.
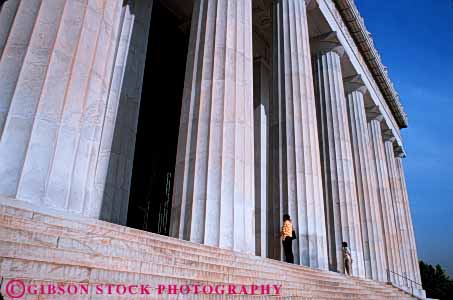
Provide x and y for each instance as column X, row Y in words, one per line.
column 158, row 125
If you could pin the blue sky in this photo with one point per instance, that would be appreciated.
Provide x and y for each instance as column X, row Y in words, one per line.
column 415, row 40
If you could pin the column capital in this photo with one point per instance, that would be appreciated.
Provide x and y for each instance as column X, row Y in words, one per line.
column 327, row 42
column 373, row 113
column 354, row 83
column 388, row 136
column 399, row 152
column 310, row 4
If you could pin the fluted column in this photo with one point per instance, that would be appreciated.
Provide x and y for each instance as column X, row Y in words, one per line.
column 213, row 198
column 60, row 63
column 117, row 147
column 295, row 172
column 343, row 221
column 17, row 19
column 415, row 267
column 395, row 188
column 261, row 95
column 8, row 12
column 384, row 196
column 370, row 217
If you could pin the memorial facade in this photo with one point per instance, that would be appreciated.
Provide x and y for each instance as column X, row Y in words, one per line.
column 207, row 120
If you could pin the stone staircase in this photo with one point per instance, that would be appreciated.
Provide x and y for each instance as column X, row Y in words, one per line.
column 46, row 248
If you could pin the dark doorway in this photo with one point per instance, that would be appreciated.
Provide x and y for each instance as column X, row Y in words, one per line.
column 158, row 124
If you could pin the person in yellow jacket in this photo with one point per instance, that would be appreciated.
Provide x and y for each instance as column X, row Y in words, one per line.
column 287, row 238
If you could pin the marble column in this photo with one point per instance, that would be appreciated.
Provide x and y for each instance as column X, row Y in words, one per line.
column 213, row 196
column 8, row 12
column 415, row 267
column 120, row 126
column 370, row 218
column 384, row 195
column 343, row 221
column 261, row 95
column 61, row 68
column 395, row 188
column 295, row 173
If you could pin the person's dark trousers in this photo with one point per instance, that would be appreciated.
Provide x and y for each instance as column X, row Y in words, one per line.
column 288, row 249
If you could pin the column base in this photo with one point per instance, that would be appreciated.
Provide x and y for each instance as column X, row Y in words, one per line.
column 23, row 205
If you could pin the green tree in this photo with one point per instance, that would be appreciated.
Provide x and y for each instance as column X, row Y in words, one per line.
column 436, row 282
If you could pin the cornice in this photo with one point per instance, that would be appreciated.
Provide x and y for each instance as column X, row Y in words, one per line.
column 364, row 41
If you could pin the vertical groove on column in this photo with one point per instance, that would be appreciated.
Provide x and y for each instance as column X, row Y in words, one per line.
column 293, row 180
column 303, row 221
column 83, row 189
column 8, row 14
column 61, row 179
column 214, row 167
column 234, row 188
column 183, row 191
column 246, row 145
column 248, row 103
column 339, row 180
column 68, row 141
column 325, row 164
column 217, row 207
column 360, row 168
column 109, row 158
column 372, row 234
column 275, row 184
column 28, row 89
column 44, row 133
column 384, row 196
column 71, row 110
column 92, row 121
column 379, row 212
column 198, row 207
column 261, row 95
column 14, row 50
column 97, row 188
column 295, row 185
column 315, row 197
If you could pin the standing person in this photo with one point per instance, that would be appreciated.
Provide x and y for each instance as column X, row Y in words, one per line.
column 347, row 259
column 287, row 238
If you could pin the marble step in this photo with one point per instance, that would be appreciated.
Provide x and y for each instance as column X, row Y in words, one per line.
column 100, row 228
column 63, row 228
column 26, row 251
column 54, row 272
column 147, row 240
column 318, row 287
column 104, row 246
column 154, row 295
